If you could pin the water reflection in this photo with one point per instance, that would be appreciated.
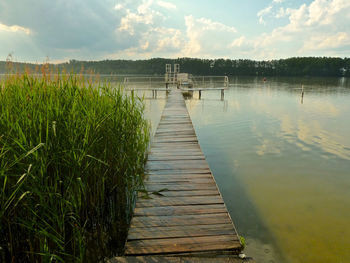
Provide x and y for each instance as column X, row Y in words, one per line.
column 153, row 106
column 282, row 166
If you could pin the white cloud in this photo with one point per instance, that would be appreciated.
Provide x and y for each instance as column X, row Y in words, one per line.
column 271, row 10
column 143, row 28
column 142, row 25
column 144, row 7
column 281, row 13
column 166, row 5
column 158, row 41
column 14, row 29
column 144, row 15
column 127, row 22
column 207, row 24
column 319, row 28
column 238, row 42
column 264, row 11
column 169, row 39
column 338, row 40
column 118, row 7
column 315, row 29
column 206, row 37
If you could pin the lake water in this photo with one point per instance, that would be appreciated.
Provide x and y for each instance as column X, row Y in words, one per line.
column 282, row 164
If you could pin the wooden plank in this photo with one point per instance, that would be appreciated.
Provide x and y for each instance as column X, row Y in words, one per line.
column 177, row 140
column 171, row 180
column 169, row 157
column 166, row 130
column 180, row 164
column 180, row 210
column 180, row 187
column 177, row 118
column 178, row 145
column 175, row 135
column 171, row 171
column 174, row 123
column 182, row 259
column 185, row 193
column 176, row 177
column 181, row 245
column 176, row 150
column 181, row 231
column 176, row 155
column 195, row 163
column 173, row 165
column 158, row 201
column 182, row 220
column 186, row 146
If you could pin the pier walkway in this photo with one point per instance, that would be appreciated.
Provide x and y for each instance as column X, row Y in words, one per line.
column 185, row 213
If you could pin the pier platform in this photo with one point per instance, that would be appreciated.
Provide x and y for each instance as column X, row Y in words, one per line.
column 183, row 213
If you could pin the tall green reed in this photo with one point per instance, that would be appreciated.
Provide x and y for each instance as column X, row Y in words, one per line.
column 72, row 154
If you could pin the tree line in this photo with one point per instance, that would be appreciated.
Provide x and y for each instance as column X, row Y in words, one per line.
column 296, row 66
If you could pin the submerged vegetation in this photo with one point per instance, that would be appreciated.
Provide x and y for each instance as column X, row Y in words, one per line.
column 72, row 154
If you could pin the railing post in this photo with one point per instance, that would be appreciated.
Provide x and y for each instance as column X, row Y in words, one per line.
column 226, row 82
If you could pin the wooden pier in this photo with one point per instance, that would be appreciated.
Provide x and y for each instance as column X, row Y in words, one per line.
column 185, row 214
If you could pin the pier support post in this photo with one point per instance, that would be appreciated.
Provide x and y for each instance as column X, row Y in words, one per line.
column 155, row 93
column 199, row 94
column 302, row 94
column 222, row 94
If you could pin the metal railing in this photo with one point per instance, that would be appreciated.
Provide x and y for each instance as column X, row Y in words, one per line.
column 192, row 81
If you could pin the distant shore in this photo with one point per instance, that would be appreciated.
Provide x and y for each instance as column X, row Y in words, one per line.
column 296, row 67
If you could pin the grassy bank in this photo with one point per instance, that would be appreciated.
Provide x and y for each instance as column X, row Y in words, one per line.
column 71, row 156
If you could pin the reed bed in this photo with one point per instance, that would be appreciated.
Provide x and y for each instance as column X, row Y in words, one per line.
column 72, row 154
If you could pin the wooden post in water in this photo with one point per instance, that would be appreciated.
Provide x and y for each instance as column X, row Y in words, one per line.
column 302, row 94
column 222, row 94
column 199, row 94
column 302, row 91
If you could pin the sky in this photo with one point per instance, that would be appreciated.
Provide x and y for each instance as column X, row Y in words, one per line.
column 60, row 30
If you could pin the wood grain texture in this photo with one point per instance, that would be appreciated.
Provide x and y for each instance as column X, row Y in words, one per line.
column 181, row 220
column 183, row 212
column 181, row 259
column 182, row 245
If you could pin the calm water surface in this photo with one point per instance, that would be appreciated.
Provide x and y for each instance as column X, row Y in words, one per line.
column 282, row 164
